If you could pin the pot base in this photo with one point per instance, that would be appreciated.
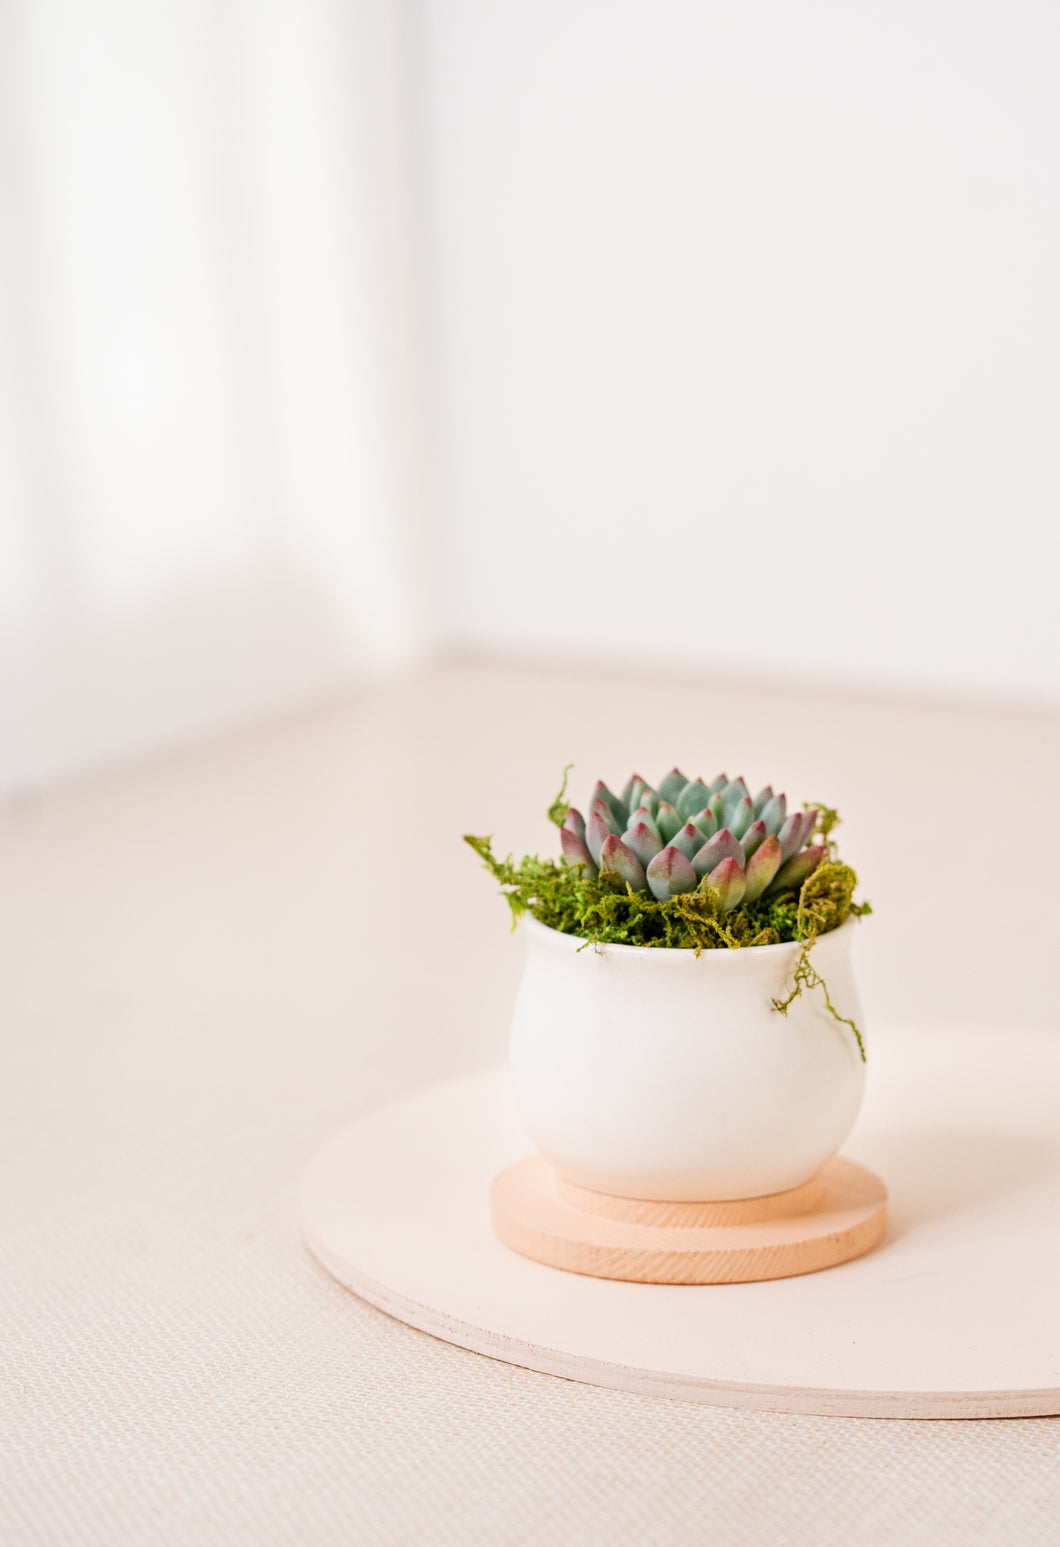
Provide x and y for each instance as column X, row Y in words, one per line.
column 841, row 1213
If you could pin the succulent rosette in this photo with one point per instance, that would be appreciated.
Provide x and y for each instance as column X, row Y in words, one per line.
column 684, row 864
column 669, row 839
column 688, row 865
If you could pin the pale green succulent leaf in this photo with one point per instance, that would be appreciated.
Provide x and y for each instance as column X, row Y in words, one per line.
column 633, row 792
column 731, row 797
column 643, row 815
column 762, row 799
column 774, row 811
column 643, row 841
column 618, row 864
column 613, row 802
column 667, row 821
column 706, row 824
column 797, row 869
column 790, row 834
column 689, row 840
column 753, row 838
column 762, row 867
column 722, row 846
column 574, row 822
column 671, row 787
column 670, row 874
column 600, row 825
column 727, row 884
column 694, row 798
column 575, row 852
column 742, row 817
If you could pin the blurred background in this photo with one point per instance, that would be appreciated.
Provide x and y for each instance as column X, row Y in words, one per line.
column 495, row 385
column 337, row 336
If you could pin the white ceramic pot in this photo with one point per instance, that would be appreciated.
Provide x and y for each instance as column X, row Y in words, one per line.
column 653, row 1073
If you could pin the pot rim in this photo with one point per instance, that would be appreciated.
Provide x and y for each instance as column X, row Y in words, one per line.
column 670, row 953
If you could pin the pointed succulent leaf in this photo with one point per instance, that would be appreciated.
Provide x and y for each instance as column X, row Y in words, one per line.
column 689, row 840
column 643, row 841
column 727, row 884
column 667, row 821
column 694, row 798
column 809, row 822
column 670, row 874
column 717, row 785
column 648, row 799
column 722, row 846
column 616, row 807
column 616, row 822
column 790, row 834
column 797, row 868
column 742, row 817
column 600, row 827
column 706, row 824
column 774, row 811
column 644, row 816
column 575, row 852
column 670, row 787
column 753, row 838
column 731, row 797
column 619, row 863
column 574, row 822
column 715, row 809
column 634, row 790
column 762, row 867
column 764, row 795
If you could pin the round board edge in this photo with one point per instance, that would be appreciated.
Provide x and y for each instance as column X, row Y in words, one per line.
column 759, row 1397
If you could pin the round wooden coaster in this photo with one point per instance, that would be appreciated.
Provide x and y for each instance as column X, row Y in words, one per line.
column 838, row 1215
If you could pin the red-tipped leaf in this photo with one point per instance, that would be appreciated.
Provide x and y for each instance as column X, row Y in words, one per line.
column 797, row 869
column 762, row 867
column 619, row 864
column 722, row 846
column 670, row 874
column 727, row 884
column 575, row 852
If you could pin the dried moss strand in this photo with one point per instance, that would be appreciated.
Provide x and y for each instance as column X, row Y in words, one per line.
column 805, row 975
column 557, row 812
column 564, row 898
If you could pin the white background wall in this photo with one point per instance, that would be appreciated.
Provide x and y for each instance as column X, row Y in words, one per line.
column 208, row 393
column 751, row 334
column 728, row 338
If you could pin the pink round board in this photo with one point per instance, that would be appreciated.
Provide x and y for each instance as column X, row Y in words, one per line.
column 952, row 1315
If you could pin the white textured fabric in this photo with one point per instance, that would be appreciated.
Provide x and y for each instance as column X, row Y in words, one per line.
column 197, row 990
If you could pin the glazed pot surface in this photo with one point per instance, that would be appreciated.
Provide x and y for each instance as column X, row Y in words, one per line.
column 654, row 1073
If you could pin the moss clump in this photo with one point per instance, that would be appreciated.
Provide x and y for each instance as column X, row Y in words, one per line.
column 565, row 899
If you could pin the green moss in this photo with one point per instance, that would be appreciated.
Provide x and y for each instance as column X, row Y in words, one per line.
column 565, row 899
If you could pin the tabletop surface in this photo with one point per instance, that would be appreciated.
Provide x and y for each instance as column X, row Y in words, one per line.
column 213, row 959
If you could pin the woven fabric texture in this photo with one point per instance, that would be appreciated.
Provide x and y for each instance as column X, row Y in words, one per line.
column 198, row 990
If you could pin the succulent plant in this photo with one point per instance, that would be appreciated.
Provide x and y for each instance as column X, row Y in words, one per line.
column 666, row 840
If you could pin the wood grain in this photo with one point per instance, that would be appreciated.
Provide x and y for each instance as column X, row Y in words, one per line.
column 839, row 1215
